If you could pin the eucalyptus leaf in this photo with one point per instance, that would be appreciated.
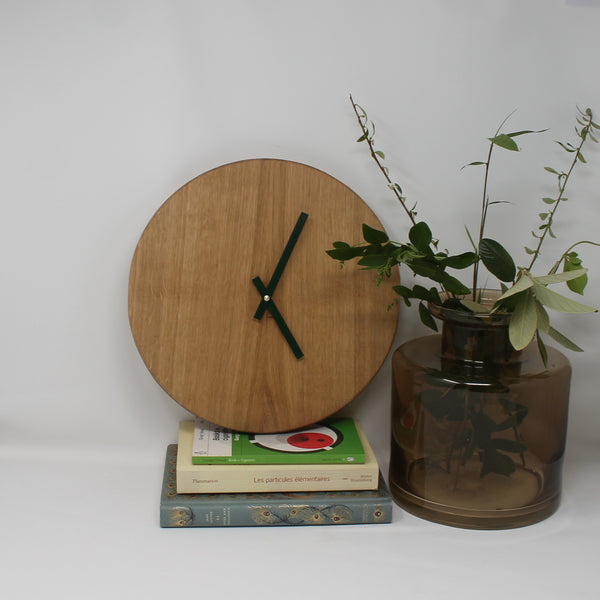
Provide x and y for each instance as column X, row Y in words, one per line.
column 470, row 238
column 523, row 323
column 559, row 302
column 560, row 277
column 475, row 307
column 497, row 260
column 523, row 283
column 524, row 132
column 568, row 148
column 542, row 349
column 563, row 340
column 543, row 320
column 505, row 141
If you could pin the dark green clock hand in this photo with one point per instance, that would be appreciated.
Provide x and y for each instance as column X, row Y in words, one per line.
column 272, row 308
column 285, row 255
column 267, row 292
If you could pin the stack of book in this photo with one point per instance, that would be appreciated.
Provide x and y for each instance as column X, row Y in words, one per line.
column 321, row 475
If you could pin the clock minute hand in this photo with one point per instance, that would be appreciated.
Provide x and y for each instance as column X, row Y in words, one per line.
column 272, row 308
column 285, row 255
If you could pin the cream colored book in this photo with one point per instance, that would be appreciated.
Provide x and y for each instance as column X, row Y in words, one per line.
column 224, row 478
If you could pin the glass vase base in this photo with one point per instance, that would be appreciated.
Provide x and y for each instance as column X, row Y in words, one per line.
column 472, row 502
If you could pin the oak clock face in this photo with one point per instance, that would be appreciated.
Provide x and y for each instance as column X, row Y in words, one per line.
column 238, row 312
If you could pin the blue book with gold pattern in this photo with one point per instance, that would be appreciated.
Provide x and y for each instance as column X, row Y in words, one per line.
column 269, row 509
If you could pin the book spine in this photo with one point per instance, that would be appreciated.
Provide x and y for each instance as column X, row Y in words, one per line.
column 222, row 514
column 214, row 479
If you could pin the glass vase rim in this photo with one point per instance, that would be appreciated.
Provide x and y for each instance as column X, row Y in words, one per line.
column 488, row 298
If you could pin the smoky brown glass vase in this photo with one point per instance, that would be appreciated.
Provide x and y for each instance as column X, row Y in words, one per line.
column 478, row 429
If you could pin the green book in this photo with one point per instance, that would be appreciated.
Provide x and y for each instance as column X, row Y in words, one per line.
column 269, row 509
column 333, row 440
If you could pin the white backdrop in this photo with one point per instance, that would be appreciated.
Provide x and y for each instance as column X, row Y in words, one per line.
column 108, row 107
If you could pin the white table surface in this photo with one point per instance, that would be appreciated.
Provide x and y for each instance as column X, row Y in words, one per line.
column 84, row 524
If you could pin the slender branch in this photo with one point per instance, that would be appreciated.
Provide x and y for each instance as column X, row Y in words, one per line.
column 563, row 179
column 369, row 141
column 484, row 205
column 554, row 269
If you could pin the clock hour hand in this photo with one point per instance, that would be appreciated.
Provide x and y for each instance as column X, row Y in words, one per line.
column 270, row 305
column 285, row 255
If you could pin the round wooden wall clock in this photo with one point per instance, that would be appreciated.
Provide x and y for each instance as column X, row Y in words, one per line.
column 238, row 312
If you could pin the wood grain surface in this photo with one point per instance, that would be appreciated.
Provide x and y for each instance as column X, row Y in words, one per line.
column 192, row 300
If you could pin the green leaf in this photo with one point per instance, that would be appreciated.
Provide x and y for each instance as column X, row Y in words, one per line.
column 470, row 238
column 380, row 154
column 460, row 261
column 507, row 445
column 563, row 341
column 573, row 263
column 426, row 317
column 374, row 236
column 542, row 349
column 453, row 285
column 418, row 292
column 345, row 253
column 559, row 302
column 493, row 461
column 529, row 250
column 543, row 320
column 425, row 268
column 567, row 275
column 522, row 284
column 475, row 307
column 551, row 170
column 524, row 132
column 341, row 245
column 497, row 260
column 549, row 200
column 420, row 236
column 568, row 148
column 523, row 322
column 373, row 261
column 362, row 138
column 505, row 141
